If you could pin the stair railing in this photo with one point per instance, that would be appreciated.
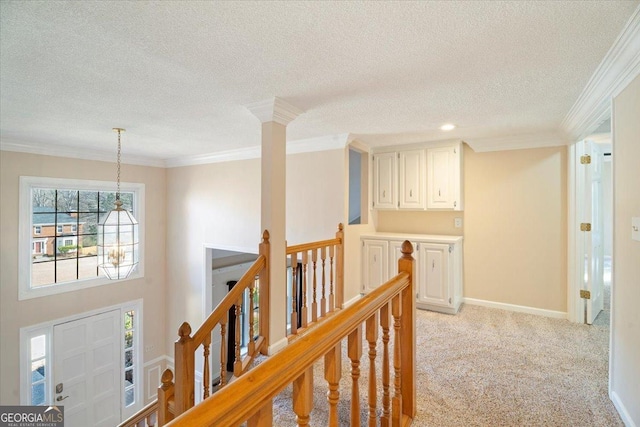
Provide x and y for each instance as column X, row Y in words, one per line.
column 321, row 278
column 178, row 397
column 390, row 307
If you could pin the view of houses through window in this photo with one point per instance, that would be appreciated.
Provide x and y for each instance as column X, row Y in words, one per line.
column 64, row 233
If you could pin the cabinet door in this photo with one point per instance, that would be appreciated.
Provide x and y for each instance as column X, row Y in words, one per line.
column 385, row 176
column 412, row 179
column 375, row 259
column 443, row 165
column 433, row 273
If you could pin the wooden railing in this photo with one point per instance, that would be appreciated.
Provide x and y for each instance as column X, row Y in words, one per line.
column 318, row 281
column 390, row 307
column 176, row 398
column 146, row 417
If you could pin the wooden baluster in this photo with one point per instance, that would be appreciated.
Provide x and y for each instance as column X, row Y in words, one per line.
column 264, row 416
column 333, row 373
column 237, row 365
column 323, row 300
column 408, row 333
column 332, row 297
column 354, row 345
column 396, row 402
column 340, row 267
column 184, row 366
column 206, row 377
column 314, row 304
column 252, row 333
column 305, row 313
column 372, row 339
column 264, row 293
column 303, row 396
column 294, row 294
column 151, row 420
column 386, row 398
column 223, row 352
column 165, row 393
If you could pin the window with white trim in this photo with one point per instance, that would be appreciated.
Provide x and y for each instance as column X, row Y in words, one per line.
column 62, row 256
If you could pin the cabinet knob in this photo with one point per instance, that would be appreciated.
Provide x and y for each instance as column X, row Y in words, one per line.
column 384, row 193
column 410, row 193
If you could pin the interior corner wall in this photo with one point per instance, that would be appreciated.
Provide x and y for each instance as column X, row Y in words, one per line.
column 218, row 205
column 515, row 249
column 625, row 321
column 16, row 314
column 514, row 226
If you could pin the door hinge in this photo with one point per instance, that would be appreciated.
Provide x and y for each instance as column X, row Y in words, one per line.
column 417, row 296
column 585, row 226
column 398, row 203
column 585, row 294
column 449, row 300
column 585, row 160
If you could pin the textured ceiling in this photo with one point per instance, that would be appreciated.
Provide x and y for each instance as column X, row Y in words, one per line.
column 177, row 75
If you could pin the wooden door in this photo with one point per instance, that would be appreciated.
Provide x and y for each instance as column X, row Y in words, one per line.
column 385, row 181
column 433, row 274
column 374, row 264
column 88, row 370
column 589, row 189
column 441, row 169
column 412, row 179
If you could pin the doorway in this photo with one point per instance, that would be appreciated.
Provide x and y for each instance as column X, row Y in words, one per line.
column 89, row 362
column 591, row 226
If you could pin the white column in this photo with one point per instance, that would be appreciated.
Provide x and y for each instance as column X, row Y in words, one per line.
column 275, row 114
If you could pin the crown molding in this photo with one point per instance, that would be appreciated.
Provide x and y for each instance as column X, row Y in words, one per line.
column 309, row 145
column 619, row 66
column 517, row 142
column 274, row 110
column 77, row 153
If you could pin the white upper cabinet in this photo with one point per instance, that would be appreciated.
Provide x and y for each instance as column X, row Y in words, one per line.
column 412, row 179
column 385, row 181
column 444, row 189
column 419, row 178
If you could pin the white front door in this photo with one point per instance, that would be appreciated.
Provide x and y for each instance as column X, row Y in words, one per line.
column 87, row 370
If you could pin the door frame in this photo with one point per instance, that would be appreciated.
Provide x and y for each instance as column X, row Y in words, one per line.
column 46, row 328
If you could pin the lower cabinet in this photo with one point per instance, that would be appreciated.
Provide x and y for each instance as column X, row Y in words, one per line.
column 437, row 273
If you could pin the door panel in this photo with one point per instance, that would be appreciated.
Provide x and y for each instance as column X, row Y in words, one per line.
column 374, row 266
column 385, row 181
column 87, row 364
column 433, row 273
column 589, row 202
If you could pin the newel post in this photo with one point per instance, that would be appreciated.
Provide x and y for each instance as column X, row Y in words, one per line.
column 184, row 367
column 407, row 331
column 264, row 292
column 340, row 267
column 165, row 393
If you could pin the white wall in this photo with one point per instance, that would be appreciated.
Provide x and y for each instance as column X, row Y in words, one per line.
column 16, row 314
column 625, row 321
column 219, row 205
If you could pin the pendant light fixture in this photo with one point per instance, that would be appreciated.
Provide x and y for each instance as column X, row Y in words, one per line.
column 118, row 237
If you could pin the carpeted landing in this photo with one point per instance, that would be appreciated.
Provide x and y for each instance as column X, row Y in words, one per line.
column 488, row 367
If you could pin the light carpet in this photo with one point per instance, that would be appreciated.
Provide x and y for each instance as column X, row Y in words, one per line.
column 488, row 367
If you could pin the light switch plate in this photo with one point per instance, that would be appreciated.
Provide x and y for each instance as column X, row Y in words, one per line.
column 635, row 228
column 457, row 222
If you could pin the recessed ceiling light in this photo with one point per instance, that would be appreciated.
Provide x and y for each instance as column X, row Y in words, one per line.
column 448, row 126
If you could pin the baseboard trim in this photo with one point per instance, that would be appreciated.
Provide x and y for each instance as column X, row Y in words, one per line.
column 622, row 410
column 516, row 308
column 277, row 346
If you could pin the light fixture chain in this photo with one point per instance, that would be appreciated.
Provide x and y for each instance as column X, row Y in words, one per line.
column 119, row 150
